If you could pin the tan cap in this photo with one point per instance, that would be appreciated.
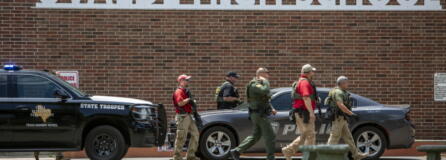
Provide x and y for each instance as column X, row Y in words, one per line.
column 307, row 68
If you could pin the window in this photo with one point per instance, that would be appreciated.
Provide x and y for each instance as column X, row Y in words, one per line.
column 29, row 86
column 282, row 102
column 3, row 91
column 323, row 96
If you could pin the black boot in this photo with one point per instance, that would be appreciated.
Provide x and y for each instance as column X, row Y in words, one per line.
column 235, row 154
column 36, row 155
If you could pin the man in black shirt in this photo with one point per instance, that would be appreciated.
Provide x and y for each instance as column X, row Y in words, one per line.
column 227, row 95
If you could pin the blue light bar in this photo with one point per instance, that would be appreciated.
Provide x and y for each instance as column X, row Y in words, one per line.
column 11, row 67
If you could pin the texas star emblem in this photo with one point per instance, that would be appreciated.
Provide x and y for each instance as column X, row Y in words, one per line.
column 42, row 112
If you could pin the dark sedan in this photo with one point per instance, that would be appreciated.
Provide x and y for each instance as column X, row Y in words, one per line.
column 380, row 127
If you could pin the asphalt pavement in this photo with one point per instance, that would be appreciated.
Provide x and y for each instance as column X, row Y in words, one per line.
column 244, row 158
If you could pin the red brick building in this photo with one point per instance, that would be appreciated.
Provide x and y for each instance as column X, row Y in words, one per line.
column 390, row 56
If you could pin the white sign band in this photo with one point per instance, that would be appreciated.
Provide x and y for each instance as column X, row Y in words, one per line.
column 305, row 5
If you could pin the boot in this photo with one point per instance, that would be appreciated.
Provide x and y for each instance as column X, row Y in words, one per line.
column 235, row 154
column 287, row 153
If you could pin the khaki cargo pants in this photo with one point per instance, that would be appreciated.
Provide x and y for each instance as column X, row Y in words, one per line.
column 339, row 129
column 307, row 136
column 185, row 124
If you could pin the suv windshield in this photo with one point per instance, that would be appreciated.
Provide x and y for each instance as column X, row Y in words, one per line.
column 76, row 91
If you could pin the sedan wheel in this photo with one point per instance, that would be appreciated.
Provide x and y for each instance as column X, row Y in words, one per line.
column 216, row 143
column 371, row 141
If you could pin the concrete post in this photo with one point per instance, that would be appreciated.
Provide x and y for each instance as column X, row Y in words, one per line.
column 323, row 152
column 433, row 151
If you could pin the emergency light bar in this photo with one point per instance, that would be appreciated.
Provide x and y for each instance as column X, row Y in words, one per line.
column 11, row 67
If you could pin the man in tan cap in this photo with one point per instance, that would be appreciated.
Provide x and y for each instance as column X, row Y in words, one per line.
column 304, row 102
column 184, row 122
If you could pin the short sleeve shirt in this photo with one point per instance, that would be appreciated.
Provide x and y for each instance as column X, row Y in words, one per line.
column 228, row 90
column 178, row 96
column 305, row 89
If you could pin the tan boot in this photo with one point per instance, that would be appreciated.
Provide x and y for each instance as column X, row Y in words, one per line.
column 361, row 156
column 287, row 153
column 192, row 158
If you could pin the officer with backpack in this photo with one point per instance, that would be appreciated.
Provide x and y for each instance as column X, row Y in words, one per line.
column 341, row 106
column 304, row 97
column 227, row 95
column 258, row 96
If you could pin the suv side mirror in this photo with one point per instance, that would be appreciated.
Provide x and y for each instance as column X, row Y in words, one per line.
column 61, row 94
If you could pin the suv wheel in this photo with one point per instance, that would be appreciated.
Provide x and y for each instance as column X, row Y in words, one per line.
column 105, row 143
column 370, row 140
column 216, row 143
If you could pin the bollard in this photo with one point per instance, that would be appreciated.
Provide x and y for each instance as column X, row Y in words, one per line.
column 325, row 152
column 433, row 151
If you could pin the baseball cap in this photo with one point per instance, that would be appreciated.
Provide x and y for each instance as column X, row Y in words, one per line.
column 183, row 77
column 341, row 79
column 307, row 68
column 232, row 74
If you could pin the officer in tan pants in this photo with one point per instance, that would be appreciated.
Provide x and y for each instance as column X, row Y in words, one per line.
column 339, row 101
column 184, row 122
column 305, row 96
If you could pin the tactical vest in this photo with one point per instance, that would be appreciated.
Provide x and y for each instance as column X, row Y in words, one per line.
column 297, row 96
column 218, row 93
column 255, row 106
column 332, row 103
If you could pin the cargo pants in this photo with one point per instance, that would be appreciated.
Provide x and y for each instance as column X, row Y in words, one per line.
column 339, row 129
column 262, row 127
column 307, row 136
column 185, row 124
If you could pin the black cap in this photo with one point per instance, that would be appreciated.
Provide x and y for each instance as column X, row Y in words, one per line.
column 232, row 74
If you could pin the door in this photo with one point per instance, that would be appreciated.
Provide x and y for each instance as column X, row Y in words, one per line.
column 6, row 113
column 41, row 120
column 287, row 130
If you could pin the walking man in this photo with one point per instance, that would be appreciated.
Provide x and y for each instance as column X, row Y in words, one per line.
column 227, row 95
column 304, row 103
column 339, row 100
column 184, row 122
column 258, row 96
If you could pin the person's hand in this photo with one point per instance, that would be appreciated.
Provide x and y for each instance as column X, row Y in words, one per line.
column 354, row 116
column 274, row 112
column 187, row 100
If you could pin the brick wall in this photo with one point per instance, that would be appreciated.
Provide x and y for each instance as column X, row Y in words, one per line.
column 390, row 56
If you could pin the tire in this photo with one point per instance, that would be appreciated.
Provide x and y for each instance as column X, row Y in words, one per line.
column 113, row 145
column 375, row 142
column 209, row 139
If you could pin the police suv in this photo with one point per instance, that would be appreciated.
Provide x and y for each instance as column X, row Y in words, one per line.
column 41, row 112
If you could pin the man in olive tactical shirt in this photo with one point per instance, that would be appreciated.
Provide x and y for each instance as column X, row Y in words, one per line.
column 258, row 96
column 339, row 100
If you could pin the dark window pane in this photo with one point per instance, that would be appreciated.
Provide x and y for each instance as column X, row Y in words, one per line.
column 282, row 102
column 29, row 86
column 323, row 96
column 3, row 91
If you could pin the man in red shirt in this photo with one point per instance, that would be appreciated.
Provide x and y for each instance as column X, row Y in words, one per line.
column 304, row 102
column 184, row 122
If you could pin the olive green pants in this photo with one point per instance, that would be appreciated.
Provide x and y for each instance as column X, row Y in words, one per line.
column 339, row 129
column 185, row 124
column 262, row 127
